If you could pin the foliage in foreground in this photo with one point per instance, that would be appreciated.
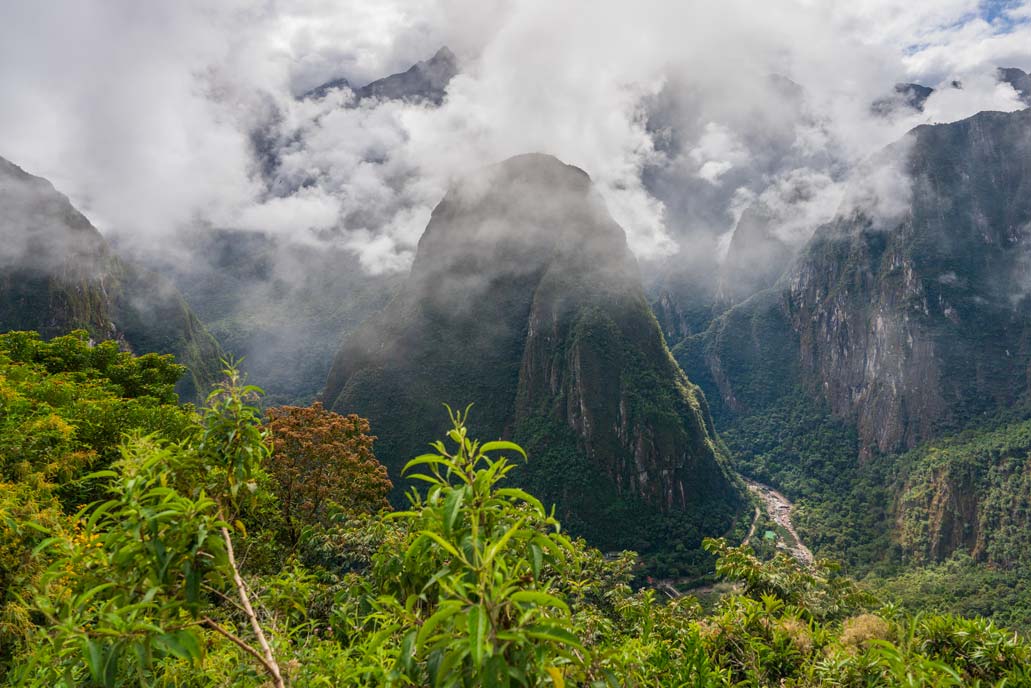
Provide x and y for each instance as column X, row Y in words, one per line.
column 185, row 571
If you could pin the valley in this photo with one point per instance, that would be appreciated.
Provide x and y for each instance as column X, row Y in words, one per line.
column 778, row 510
column 590, row 344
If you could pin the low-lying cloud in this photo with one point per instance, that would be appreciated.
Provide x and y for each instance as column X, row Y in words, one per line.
column 146, row 113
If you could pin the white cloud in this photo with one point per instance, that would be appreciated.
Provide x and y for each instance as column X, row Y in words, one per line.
column 304, row 214
column 718, row 150
column 143, row 111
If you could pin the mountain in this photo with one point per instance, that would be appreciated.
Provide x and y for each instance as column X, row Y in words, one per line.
column 904, row 96
column 1019, row 80
column 755, row 258
column 525, row 300
column 285, row 305
column 424, row 81
column 281, row 306
column 57, row 273
column 908, row 96
column 916, row 328
column 883, row 381
column 919, row 327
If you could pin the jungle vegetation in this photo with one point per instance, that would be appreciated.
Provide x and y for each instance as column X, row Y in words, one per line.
column 144, row 542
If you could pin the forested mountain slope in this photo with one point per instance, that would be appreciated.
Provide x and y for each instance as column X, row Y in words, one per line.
column 57, row 274
column 525, row 300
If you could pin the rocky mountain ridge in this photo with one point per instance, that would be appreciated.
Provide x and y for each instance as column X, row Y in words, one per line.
column 913, row 328
column 425, row 81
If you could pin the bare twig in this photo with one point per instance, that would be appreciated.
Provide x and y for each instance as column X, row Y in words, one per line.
column 224, row 597
column 239, row 642
column 269, row 660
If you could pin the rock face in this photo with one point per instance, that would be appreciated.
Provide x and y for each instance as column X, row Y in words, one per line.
column 1019, row 80
column 972, row 493
column 903, row 97
column 525, row 300
column 756, row 257
column 424, row 81
column 916, row 327
column 57, row 273
column 913, row 326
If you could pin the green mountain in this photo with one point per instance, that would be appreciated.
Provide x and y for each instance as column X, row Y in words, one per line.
column 525, row 300
column 909, row 330
column 57, row 273
column 883, row 381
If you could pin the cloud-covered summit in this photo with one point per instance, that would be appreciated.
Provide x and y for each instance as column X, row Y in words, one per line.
column 148, row 113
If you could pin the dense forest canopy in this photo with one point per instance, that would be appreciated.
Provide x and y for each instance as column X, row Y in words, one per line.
column 148, row 543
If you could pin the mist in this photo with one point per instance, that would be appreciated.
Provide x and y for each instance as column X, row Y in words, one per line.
column 145, row 113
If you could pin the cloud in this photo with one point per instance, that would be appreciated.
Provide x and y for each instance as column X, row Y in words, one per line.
column 145, row 113
column 718, row 151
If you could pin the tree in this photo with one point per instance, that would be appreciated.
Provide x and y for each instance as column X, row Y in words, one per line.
column 474, row 594
column 321, row 458
column 143, row 573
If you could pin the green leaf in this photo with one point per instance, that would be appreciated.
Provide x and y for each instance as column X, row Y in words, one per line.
column 99, row 474
column 554, row 634
column 542, row 599
column 111, row 666
column 94, row 656
column 443, row 543
column 446, row 611
column 537, row 556
column 478, row 635
column 423, row 459
column 500, row 445
column 83, row 599
column 515, row 492
column 407, row 654
column 444, row 671
column 497, row 546
column 452, row 507
column 182, row 643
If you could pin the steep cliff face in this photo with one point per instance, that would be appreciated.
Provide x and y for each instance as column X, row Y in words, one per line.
column 525, row 300
column 918, row 326
column 911, row 323
column 57, row 273
column 756, row 257
column 53, row 264
column 594, row 361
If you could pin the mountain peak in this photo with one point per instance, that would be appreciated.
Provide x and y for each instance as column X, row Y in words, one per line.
column 529, row 169
column 517, row 216
column 525, row 299
column 1019, row 80
column 444, row 55
column 425, row 81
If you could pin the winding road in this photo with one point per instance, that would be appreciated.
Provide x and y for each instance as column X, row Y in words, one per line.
column 778, row 508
